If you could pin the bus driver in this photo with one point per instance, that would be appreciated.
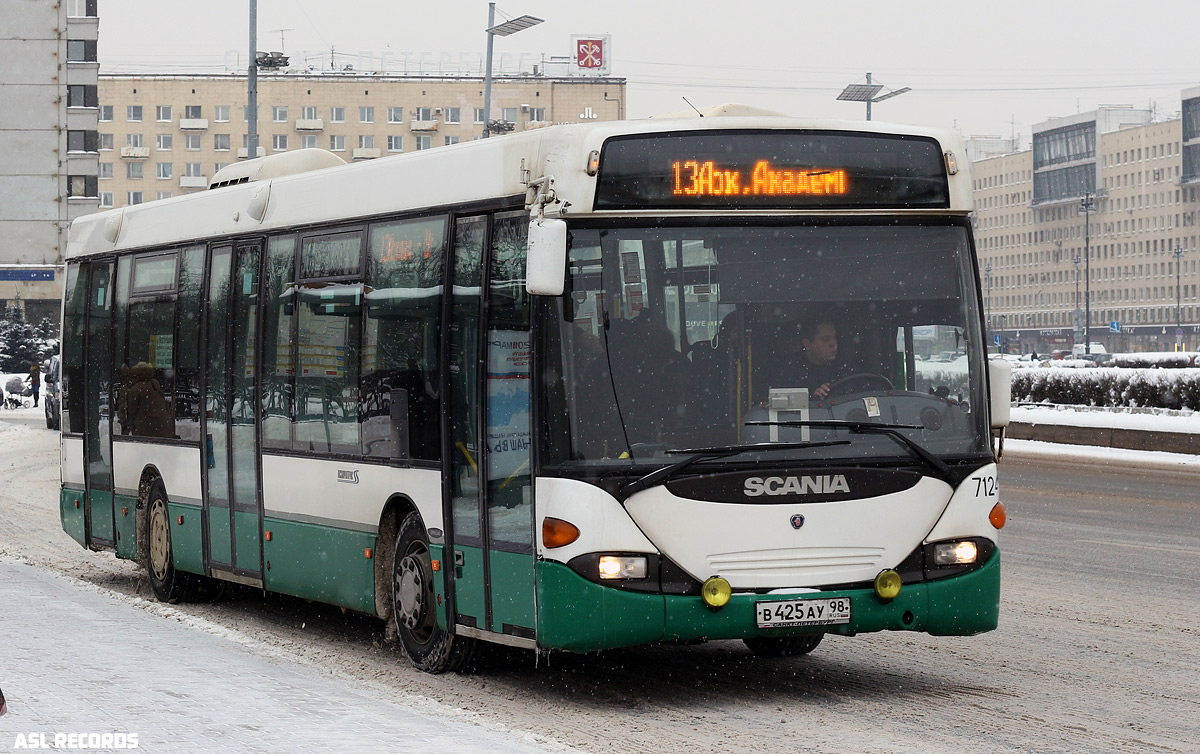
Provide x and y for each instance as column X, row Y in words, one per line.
column 819, row 367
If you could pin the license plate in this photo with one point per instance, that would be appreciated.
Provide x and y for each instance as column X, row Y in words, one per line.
column 826, row 612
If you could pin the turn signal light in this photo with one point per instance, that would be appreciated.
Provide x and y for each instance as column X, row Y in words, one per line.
column 998, row 516
column 558, row 533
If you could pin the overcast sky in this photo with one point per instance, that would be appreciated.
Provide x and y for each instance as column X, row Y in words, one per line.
column 991, row 68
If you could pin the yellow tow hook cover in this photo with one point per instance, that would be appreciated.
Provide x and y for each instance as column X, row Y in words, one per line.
column 716, row 592
column 887, row 584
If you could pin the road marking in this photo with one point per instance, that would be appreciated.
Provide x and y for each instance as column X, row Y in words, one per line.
column 1136, row 546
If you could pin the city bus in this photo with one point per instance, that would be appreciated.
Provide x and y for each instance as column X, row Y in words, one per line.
column 542, row 389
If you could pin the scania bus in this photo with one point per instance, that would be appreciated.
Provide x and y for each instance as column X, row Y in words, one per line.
column 542, row 389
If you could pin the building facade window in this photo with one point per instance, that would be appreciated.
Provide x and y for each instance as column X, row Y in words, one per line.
column 221, row 142
column 193, row 111
column 451, row 140
column 395, row 115
column 279, row 142
column 191, row 142
column 308, row 112
column 221, row 113
column 106, row 142
column 366, row 114
column 81, row 51
column 509, row 115
column 164, row 170
column 337, row 143
column 395, row 144
column 105, row 113
column 133, row 170
column 423, row 113
column 337, row 115
column 192, row 170
column 105, row 170
column 163, row 142
column 366, row 141
column 537, row 114
column 133, row 197
column 479, row 115
column 133, row 113
column 424, row 141
column 279, row 114
column 106, row 198
column 162, row 195
column 81, row 186
column 308, row 141
column 84, row 95
column 81, row 9
column 83, row 141
column 452, row 114
column 133, row 140
column 162, row 113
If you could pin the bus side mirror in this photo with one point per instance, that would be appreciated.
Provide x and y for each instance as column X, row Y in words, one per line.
column 1000, row 388
column 546, row 267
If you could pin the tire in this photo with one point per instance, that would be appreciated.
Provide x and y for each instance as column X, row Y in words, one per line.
column 783, row 646
column 169, row 585
column 52, row 420
column 427, row 646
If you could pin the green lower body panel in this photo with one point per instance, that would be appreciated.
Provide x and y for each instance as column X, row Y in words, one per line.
column 512, row 590
column 220, row 541
column 320, row 563
column 187, row 549
column 578, row 615
column 125, row 516
column 70, row 511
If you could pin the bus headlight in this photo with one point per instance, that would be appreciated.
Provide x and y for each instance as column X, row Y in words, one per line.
column 955, row 553
column 622, row 567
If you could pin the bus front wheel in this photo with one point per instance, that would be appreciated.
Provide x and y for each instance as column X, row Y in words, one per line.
column 169, row 585
column 783, row 646
column 427, row 646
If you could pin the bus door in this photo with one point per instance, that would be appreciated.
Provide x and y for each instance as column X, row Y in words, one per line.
column 97, row 439
column 232, row 503
column 491, row 555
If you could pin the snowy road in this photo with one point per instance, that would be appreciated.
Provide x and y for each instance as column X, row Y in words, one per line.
column 1097, row 650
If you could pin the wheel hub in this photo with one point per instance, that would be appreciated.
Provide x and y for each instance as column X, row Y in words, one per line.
column 410, row 591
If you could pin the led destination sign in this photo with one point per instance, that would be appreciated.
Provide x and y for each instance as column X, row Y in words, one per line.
column 694, row 178
column 771, row 169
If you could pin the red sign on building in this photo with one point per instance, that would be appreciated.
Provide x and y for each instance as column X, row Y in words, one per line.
column 589, row 53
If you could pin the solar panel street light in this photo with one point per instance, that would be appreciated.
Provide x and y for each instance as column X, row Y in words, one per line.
column 868, row 93
column 498, row 30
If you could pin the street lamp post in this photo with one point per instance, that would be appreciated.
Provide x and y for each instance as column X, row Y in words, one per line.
column 866, row 93
column 1178, row 254
column 987, row 274
column 1087, row 205
column 498, row 30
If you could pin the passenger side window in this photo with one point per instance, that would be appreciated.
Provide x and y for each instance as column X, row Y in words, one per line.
column 401, row 406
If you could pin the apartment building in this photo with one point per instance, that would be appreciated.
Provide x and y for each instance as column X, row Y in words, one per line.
column 1045, row 263
column 161, row 136
column 48, row 173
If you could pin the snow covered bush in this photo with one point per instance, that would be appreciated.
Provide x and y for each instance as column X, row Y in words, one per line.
column 1109, row 386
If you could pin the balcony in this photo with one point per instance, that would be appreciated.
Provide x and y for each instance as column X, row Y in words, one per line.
column 193, row 124
column 135, row 152
column 423, row 125
column 310, row 124
column 366, row 153
column 193, row 181
column 243, row 152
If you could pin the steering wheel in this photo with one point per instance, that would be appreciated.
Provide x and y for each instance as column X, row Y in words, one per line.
column 862, row 381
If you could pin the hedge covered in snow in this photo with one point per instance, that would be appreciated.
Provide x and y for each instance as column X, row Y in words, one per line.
column 1156, row 387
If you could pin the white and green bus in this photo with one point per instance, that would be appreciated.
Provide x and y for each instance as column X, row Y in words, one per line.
column 543, row 389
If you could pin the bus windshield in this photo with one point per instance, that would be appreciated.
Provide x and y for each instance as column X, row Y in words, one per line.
column 676, row 337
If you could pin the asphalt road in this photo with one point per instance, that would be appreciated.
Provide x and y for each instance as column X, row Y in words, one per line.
column 1097, row 650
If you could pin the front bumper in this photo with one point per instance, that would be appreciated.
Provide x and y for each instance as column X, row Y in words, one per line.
column 578, row 615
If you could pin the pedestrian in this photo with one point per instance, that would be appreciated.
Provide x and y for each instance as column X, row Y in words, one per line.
column 35, row 380
column 3, row 706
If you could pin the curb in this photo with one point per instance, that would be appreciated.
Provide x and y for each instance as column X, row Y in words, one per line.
column 1128, row 439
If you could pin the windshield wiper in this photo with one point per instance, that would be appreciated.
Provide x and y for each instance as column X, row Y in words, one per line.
column 890, row 430
column 695, row 455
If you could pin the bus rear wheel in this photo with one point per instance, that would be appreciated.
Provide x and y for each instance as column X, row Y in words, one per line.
column 169, row 585
column 783, row 646
column 427, row 646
